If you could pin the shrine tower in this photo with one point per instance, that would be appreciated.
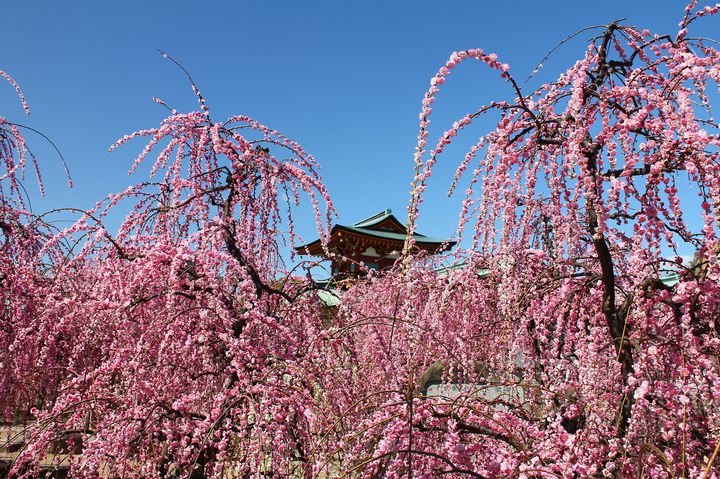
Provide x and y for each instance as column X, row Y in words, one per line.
column 375, row 241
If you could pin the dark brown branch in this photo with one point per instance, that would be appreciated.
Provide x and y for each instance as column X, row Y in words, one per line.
column 232, row 247
column 639, row 171
column 626, row 216
column 615, row 319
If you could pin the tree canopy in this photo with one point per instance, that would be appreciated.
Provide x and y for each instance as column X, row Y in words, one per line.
column 182, row 345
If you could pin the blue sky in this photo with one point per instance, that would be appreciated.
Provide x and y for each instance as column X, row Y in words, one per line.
column 345, row 79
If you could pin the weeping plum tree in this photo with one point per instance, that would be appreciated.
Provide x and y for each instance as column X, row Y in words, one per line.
column 176, row 347
column 180, row 347
column 571, row 357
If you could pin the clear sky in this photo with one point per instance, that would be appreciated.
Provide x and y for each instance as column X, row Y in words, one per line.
column 343, row 78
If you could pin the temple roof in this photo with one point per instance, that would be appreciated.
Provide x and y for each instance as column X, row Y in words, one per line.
column 375, row 221
column 383, row 226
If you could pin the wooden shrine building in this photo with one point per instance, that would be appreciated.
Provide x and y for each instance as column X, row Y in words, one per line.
column 376, row 242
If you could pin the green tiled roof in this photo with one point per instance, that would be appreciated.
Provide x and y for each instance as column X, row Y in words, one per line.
column 330, row 297
column 375, row 219
column 671, row 280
